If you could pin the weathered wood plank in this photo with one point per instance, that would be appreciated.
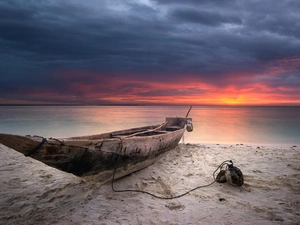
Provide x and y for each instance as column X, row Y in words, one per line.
column 97, row 156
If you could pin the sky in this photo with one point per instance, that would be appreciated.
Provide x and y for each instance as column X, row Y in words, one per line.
column 152, row 52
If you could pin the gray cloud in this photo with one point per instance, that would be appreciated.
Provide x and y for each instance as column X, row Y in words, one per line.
column 204, row 17
column 205, row 39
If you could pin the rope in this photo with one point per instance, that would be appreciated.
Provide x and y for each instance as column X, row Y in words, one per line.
column 162, row 197
column 38, row 147
column 55, row 139
column 156, row 196
column 44, row 140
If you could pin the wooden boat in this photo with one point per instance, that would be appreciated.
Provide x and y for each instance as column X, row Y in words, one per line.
column 98, row 157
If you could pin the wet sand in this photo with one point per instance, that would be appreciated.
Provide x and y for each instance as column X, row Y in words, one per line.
column 34, row 193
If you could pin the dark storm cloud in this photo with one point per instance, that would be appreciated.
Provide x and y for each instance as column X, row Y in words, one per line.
column 204, row 17
column 150, row 40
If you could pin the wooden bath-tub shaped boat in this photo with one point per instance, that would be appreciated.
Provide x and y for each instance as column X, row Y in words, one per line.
column 96, row 157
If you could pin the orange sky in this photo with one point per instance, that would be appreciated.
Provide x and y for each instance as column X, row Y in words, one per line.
column 273, row 86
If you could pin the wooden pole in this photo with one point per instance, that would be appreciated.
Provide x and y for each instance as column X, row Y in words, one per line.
column 188, row 112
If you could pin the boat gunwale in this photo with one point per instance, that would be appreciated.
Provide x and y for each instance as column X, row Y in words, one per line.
column 114, row 135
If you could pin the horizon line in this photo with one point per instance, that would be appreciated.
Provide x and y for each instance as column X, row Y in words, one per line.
column 213, row 105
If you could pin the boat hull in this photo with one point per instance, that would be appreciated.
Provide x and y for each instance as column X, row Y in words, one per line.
column 99, row 157
column 136, row 154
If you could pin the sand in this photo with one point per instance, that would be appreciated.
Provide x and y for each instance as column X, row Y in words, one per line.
column 33, row 193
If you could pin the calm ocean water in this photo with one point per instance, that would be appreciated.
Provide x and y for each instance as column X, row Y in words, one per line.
column 212, row 124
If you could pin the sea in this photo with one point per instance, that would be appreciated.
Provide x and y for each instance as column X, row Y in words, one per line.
column 278, row 126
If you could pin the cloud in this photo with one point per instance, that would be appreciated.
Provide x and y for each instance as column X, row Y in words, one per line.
column 74, row 47
column 191, row 15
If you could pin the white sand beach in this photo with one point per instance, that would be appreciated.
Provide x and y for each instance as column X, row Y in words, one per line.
column 34, row 193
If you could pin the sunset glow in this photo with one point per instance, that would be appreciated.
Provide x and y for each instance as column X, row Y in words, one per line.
column 241, row 90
